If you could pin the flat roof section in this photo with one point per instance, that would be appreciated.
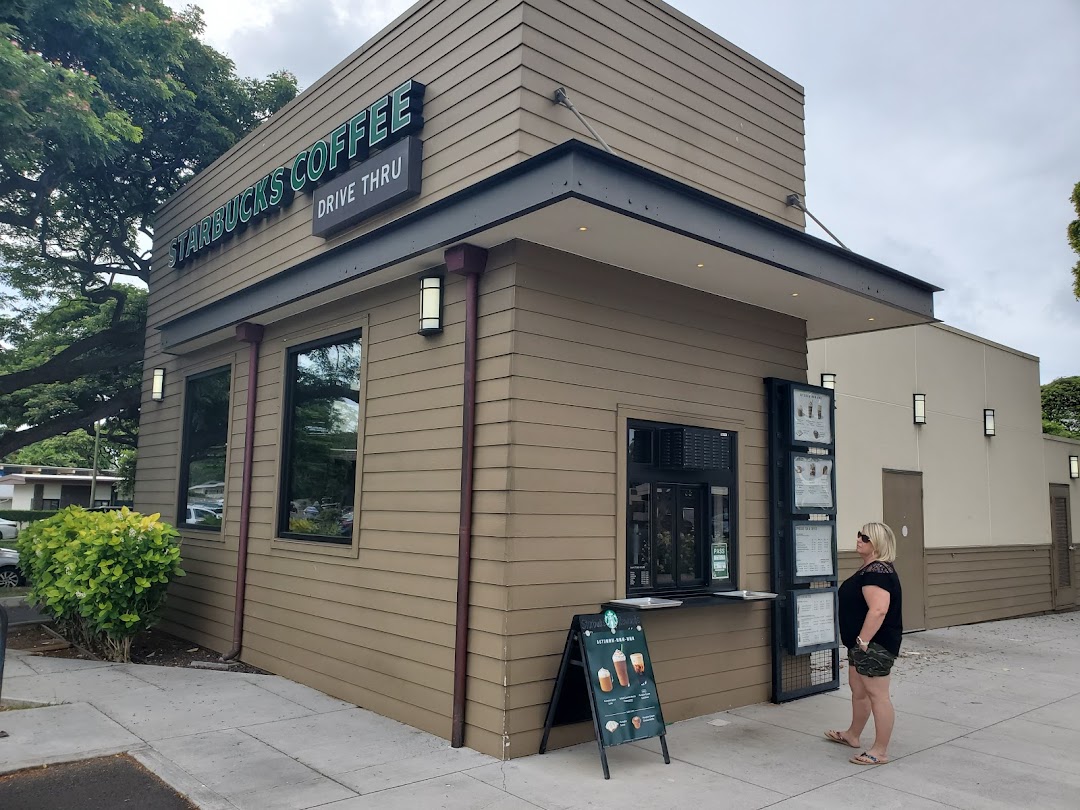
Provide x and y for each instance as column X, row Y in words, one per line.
column 633, row 218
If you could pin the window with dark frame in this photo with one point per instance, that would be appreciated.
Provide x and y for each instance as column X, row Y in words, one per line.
column 680, row 532
column 205, row 445
column 319, row 440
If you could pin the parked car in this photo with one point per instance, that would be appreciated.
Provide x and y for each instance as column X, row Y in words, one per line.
column 10, row 576
column 207, row 515
column 9, row 529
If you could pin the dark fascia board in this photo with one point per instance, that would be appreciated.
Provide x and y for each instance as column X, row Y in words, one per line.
column 571, row 170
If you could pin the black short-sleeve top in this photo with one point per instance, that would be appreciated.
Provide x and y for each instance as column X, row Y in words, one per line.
column 853, row 607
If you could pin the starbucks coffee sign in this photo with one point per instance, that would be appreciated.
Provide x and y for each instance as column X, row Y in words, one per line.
column 377, row 128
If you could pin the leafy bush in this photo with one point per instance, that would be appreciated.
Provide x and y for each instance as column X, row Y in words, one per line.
column 26, row 515
column 101, row 575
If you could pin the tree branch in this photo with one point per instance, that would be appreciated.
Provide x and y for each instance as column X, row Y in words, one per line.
column 62, row 366
column 12, row 440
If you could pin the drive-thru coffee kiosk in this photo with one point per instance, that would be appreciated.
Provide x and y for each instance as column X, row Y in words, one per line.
column 429, row 371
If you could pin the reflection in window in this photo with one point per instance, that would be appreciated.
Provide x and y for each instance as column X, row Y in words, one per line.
column 321, row 421
column 206, row 432
column 665, row 560
column 639, row 537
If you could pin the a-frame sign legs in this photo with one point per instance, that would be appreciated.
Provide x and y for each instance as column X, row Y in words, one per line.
column 631, row 706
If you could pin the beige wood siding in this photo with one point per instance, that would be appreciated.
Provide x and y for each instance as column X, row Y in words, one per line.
column 373, row 624
column 668, row 95
column 665, row 93
column 590, row 340
column 968, row 585
column 467, row 52
column 977, row 585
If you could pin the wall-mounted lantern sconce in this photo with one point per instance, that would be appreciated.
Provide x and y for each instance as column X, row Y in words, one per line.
column 919, row 404
column 828, row 380
column 157, row 392
column 988, row 422
column 1074, row 466
column 431, row 290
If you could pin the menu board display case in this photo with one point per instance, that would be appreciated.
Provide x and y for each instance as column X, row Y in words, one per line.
column 811, row 417
column 814, row 550
column 813, row 620
column 813, row 490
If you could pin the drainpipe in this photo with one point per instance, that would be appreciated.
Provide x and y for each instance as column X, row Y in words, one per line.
column 469, row 261
column 252, row 334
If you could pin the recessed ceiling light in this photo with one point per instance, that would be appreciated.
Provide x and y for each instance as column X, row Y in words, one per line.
column 869, row 319
column 700, row 264
column 583, row 228
column 794, row 295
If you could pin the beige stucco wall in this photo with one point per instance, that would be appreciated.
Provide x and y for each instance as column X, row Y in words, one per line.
column 977, row 491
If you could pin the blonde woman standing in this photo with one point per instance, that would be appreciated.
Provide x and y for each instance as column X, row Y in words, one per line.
column 870, row 603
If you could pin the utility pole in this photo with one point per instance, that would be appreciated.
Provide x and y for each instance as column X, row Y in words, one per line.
column 93, row 476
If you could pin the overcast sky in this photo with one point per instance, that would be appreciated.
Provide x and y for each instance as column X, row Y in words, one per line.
column 943, row 138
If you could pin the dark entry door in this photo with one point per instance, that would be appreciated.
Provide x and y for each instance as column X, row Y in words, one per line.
column 903, row 512
column 1061, row 568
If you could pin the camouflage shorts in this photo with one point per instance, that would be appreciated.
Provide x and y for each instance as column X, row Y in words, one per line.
column 876, row 662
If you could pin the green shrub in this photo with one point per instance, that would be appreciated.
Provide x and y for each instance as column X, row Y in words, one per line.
column 26, row 515
column 101, row 575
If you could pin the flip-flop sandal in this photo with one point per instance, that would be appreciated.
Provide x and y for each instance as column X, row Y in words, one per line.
column 866, row 759
column 837, row 737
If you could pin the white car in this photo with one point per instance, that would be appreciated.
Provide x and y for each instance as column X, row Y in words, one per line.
column 205, row 515
column 10, row 576
column 9, row 529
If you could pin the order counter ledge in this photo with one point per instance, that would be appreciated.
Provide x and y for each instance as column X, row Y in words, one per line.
column 703, row 600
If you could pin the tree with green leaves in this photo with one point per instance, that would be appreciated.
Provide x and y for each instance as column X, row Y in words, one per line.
column 1073, row 232
column 1061, row 407
column 106, row 110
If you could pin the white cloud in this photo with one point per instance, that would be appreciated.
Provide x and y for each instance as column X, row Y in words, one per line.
column 940, row 140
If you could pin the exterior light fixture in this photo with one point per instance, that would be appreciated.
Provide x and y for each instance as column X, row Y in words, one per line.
column 157, row 391
column 701, row 264
column 583, row 228
column 828, row 380
column 431, row 290
column 919, row 404
column 1074, row 466
column 988, row 422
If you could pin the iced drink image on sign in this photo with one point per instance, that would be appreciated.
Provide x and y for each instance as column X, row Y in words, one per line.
column 619, row 660
column 637, row 661
column 605, row 680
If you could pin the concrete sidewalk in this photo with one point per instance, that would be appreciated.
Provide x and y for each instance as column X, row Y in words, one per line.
column 988, row 716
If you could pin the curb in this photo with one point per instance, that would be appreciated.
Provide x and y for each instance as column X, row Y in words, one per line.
column 12, row 601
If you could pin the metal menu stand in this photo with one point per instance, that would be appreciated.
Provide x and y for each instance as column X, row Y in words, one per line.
column 802, row 512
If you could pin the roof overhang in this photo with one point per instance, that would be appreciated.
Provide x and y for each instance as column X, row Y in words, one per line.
column 635, row 218
column 43, row 478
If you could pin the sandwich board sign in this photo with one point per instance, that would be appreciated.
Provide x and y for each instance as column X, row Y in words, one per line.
column 606, row 674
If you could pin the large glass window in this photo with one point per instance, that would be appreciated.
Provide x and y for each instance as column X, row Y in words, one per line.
column 680, row 532
column 322, row 408
column 206, row 435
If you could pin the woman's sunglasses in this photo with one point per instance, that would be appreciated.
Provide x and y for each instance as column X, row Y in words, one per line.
column 863, row 537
